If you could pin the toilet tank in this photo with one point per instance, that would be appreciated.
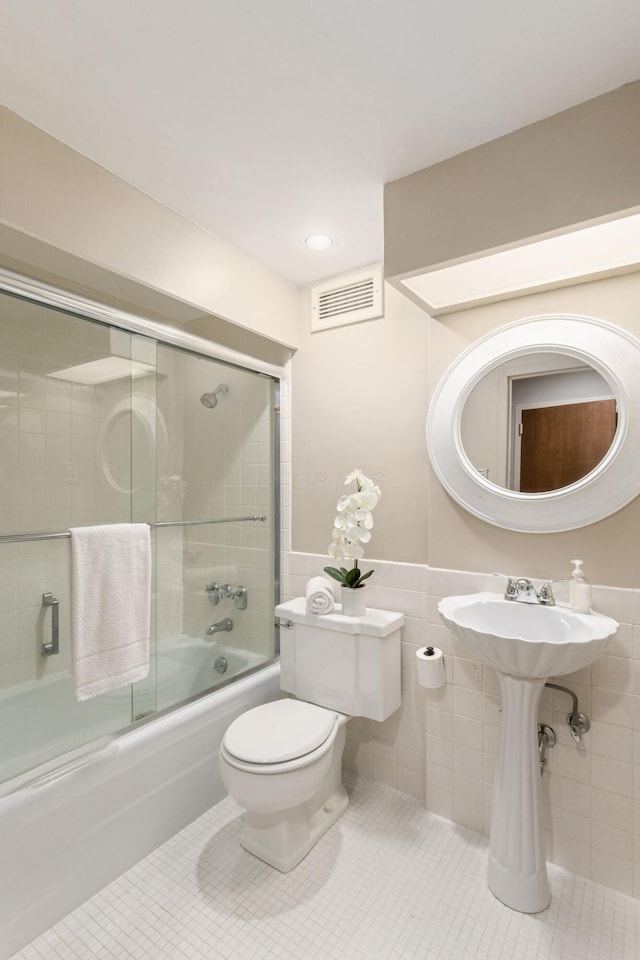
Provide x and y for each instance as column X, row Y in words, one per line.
column 349, row 664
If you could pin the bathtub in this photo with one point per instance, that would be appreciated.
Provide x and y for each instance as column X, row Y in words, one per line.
column 72, row 825
column 188, row 666
column 42, row 720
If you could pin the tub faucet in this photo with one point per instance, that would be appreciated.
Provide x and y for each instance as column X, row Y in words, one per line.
column 220, row 627
column 217, row 592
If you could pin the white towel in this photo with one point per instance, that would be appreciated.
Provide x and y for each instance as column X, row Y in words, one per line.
column 110, row 606
column 319, row 596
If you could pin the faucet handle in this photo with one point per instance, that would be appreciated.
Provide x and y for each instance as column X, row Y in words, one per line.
column 545, row 594
column 213, row 591
column 511, row 591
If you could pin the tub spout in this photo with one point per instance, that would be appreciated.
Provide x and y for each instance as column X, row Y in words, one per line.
column 220, row 627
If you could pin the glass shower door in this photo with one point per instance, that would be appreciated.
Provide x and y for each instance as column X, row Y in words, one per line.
column 66, row 432
column 102, row 426
column 216, row 531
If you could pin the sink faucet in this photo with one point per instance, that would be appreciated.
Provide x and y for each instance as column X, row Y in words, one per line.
column 523, row 590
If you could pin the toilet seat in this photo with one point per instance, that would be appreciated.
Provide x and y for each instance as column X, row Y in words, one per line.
column 284, row 733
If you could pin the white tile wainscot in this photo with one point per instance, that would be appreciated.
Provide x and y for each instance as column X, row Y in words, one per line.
column 441, row 745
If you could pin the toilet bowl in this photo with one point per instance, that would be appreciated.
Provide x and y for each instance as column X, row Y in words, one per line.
column 282, row 761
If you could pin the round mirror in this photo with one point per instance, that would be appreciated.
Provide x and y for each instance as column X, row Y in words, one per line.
column 530, row 429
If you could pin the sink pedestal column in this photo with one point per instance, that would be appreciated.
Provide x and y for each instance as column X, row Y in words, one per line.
column 517, row 866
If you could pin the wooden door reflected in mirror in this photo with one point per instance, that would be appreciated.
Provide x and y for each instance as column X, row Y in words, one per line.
column 560, row 444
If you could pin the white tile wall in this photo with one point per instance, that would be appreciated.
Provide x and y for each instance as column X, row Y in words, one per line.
column 442, row 745
column 229, row 475
column 212, row 463
column 49, row 474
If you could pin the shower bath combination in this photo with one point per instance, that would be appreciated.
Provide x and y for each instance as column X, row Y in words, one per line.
column 210, row 400
column 143, row 456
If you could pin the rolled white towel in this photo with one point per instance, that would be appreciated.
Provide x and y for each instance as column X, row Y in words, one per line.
column 319, row 595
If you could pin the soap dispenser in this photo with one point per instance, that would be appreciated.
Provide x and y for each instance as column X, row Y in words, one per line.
column 579, row 589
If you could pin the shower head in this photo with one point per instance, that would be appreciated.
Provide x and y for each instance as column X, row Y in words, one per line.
column 210, row 400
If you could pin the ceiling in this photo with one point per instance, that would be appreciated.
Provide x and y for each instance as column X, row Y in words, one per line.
column 265, row 121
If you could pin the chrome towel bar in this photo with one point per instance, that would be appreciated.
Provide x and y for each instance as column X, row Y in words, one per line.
column 24, row 537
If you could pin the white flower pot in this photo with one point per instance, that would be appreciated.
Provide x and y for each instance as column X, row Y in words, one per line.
column 354, row 602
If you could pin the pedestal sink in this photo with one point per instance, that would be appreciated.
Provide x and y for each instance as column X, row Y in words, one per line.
column 527, row 643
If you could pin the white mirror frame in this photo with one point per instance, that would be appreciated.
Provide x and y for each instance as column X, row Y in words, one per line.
column 614, row 353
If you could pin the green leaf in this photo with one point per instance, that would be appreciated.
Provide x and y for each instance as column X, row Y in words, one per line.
column 335, row 574
column 348, row 578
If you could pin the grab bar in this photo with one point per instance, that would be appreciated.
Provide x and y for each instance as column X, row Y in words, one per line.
column 53, row 647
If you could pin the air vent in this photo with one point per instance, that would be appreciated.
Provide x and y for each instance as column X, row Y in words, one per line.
column 349, row 298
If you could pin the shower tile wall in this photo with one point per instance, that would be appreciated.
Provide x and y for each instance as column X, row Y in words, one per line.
column 225, row 472
column 441, row 746
column 70, row 454
column 50, row 476
column 24, row 568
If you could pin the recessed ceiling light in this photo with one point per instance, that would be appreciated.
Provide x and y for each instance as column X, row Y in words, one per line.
column 318, row 241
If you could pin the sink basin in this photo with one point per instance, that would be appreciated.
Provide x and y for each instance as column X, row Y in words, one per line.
column 526, row 639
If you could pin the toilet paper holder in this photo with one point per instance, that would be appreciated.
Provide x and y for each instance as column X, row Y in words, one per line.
column 430, row 666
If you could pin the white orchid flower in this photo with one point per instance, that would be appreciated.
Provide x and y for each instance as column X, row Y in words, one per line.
column 352, row 551
column 358, row 476
column 353, row 524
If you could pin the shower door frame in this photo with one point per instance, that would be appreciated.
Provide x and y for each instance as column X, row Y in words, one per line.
column 15, row 283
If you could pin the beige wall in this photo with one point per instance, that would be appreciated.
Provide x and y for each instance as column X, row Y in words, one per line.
column 441, row 746
column 456, row 540
column 579, row 165
column 360, row 398
column 360, row 393
column 59, row 211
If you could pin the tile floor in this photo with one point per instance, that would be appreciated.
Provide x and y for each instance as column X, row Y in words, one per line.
column 388, row 881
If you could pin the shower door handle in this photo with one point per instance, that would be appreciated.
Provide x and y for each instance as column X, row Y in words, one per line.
column 49, row 649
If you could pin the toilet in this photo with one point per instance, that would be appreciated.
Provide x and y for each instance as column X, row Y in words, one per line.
column 282, row 761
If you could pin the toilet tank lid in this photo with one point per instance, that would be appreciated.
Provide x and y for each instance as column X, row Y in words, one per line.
column 279, row 731
column 375, row 623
